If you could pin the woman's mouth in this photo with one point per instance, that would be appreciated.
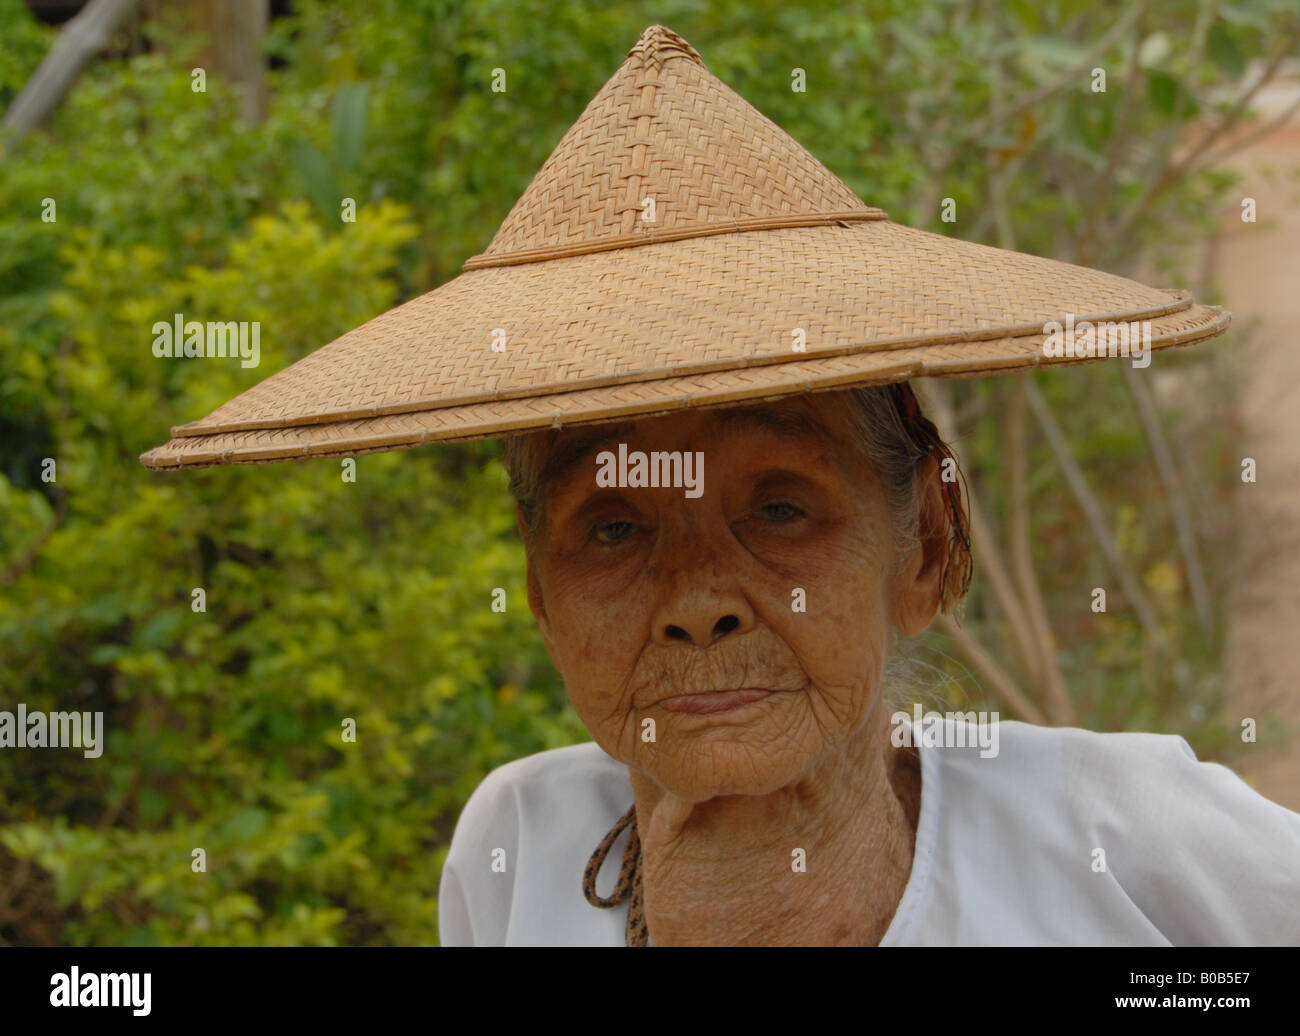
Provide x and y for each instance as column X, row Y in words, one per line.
column 714, row 701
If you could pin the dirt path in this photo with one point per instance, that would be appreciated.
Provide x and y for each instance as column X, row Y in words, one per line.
column 1258, row 267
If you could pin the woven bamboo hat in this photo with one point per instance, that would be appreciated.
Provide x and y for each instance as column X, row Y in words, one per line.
column 676, row 249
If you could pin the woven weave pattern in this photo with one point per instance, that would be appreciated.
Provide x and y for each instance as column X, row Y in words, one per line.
column 732, row 300
column 582, row 311
column 348, row 438
column 664, row 128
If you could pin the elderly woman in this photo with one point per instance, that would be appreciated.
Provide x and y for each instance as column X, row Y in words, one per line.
column 771, row 801
column 697, row 342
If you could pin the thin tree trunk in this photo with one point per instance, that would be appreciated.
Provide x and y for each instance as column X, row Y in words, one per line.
column 85, row 35
column 985, row 546
column 235, row 29
column 1092, row 511
column 1172, row 480
column 1020, row 549
column 1004, row 688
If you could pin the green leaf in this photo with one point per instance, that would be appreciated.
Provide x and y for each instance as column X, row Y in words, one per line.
column 1240, row 14
column 349, row 126
column 161, row 629
column 1055, row 51
column 244, row 825
column 1225, row 52
column 317, row 177
column 1162, row 91
column 151, row 806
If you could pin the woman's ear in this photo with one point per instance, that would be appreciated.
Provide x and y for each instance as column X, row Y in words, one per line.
column 918, row 583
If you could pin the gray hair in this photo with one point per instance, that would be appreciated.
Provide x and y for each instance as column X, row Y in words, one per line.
column 883, row 437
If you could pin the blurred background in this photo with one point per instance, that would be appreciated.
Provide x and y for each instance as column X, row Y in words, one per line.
column 371, row 600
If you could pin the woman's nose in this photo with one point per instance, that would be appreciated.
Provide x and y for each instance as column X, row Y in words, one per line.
column 721, row 628
column 700, row 604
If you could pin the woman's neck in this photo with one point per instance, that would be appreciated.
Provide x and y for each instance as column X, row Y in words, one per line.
column 726, row 871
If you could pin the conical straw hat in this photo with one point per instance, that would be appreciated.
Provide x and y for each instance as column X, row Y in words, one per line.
column 671, row 252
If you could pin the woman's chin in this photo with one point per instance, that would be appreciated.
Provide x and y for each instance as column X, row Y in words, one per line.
column 728, row 768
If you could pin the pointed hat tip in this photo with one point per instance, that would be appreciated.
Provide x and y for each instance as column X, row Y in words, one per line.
column 659, row 43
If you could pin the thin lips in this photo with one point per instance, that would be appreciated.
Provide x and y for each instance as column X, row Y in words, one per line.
column 720, row 690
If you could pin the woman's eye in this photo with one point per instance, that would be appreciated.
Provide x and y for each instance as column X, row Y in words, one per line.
column 780, row 512
column 612, row 532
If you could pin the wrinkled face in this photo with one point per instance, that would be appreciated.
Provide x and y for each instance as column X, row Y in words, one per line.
column 721, row 642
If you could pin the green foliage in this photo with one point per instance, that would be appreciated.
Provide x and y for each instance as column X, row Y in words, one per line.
column 328, row 600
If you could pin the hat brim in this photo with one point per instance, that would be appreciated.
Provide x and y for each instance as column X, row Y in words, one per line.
column 649, row 329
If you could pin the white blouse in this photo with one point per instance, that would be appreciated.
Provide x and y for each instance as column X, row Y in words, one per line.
column 1006, row 849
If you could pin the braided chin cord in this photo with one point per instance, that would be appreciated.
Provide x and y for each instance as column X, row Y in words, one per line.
column 629, row 878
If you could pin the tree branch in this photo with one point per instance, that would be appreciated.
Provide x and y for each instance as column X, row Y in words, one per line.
column 1243, row 142
column 1019, row 542
column 82, row 38
column 985, row 547
column 1004, row 687
column 1171, row 479
column 1175, row 171
column 1092, row 511
column 1069, row 76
